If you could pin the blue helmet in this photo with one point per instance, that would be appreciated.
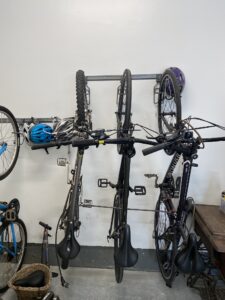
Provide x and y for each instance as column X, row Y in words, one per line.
column 41, row 133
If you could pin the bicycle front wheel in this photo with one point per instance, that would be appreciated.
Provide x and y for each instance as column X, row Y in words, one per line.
column 124, row 107
column 118, row 235
column 169, row 103
column 83, row 101
column 166, row 240
column 13, row 242
column 9, row 142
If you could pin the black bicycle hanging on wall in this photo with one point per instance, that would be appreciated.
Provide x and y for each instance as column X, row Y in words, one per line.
column 69, row 220
column 124, row 254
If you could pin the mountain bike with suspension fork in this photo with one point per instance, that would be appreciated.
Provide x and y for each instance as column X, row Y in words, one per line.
column 69, row 220
column 176, row 247
column 13, row 241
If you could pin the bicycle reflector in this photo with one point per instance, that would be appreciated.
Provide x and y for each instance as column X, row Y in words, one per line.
column 41, row 133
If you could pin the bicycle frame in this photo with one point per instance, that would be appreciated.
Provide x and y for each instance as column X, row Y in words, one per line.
column 75, row 186
column 123, row 183
column 177, row 216
column 69, row 248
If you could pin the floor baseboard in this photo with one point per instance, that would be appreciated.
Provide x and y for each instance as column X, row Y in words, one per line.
column 94, row 257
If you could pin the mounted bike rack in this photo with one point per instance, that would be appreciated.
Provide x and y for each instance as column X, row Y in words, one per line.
column 156, row 77
column 118, row 77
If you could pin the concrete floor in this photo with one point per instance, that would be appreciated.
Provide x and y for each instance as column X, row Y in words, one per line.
column 98, row 284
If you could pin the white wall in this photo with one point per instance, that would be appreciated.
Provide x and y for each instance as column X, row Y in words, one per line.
column 44, row 42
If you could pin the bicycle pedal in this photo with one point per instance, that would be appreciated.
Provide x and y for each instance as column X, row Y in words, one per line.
column 87, row 203
column 140, row 190
column 10, row 215
column 103, row 182
column 62, row 162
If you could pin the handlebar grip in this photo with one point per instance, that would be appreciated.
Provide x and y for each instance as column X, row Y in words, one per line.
column 50, row 144
column 216, row 139
column 156, row 148
column 83, row 143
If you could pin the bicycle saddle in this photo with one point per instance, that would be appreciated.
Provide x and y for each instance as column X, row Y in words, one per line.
column 35, row 279
column 126, row 255
column 68, row 248
column 188, row 260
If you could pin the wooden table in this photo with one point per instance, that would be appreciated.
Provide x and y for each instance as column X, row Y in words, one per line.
column 210, row 226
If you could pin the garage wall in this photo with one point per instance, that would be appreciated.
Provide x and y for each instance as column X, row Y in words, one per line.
column 44, row 42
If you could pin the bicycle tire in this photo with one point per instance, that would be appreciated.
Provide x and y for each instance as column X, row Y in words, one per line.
column 118, row 239
column 83, row 118
column 166, row 241
column 124, row 108
column 9, row 142
column 169, row 103
column 6, row 260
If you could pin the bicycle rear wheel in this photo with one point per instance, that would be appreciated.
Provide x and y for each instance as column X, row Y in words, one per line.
column 118, row 235
column 124, row 107
column 83, row 101
column 13, row 242
column 166, row 240
column 9, row 142
column 169, row 103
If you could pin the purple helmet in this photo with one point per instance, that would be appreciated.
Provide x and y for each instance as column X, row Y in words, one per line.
column 179, row 76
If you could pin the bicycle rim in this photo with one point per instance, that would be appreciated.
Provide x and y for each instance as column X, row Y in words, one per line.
column 118, row 238
column 124, row 107
column 169, row 103
column 11, row 259
column 165, row 242
column 9, row 142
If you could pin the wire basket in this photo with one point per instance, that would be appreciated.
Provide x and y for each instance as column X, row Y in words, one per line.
column 28, row 293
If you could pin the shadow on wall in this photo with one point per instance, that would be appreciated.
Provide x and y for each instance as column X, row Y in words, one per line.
column 208, row 186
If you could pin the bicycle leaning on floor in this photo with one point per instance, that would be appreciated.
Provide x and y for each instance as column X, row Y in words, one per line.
column 13, row 241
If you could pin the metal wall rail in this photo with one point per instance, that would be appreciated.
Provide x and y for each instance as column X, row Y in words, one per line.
column 156, row 77
column 118, row 77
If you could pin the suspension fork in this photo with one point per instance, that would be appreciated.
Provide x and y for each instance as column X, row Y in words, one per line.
column 172, row 166
column 187, row 165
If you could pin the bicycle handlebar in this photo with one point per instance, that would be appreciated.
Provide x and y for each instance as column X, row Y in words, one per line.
column 216, row 139
column 92, row 142
column 156, row 148
column 50, row 144
column 127, row 140
column 161, row 146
